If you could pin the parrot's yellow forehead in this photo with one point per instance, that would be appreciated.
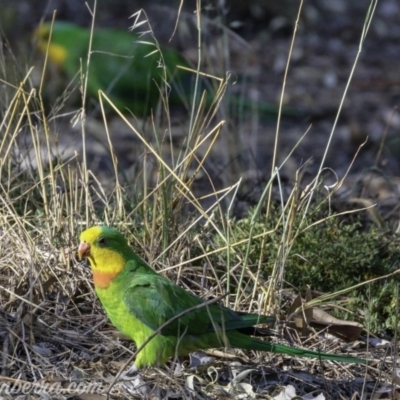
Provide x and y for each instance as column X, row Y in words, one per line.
column 91, row 235
column 56, row 52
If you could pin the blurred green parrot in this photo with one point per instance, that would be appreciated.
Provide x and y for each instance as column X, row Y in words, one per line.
column 130, row 72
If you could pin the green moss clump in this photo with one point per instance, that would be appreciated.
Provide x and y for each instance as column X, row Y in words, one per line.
column 329, row 256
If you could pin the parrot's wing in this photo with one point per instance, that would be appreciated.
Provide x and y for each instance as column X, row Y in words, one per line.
column 154, row 300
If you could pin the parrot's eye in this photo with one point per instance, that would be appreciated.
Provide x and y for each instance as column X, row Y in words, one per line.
column 102, row 242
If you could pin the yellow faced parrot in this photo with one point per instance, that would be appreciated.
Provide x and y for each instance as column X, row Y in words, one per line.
column 138, row 301
column 119, row 65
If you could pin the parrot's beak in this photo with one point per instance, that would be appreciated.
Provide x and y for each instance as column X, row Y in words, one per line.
column 83, row 250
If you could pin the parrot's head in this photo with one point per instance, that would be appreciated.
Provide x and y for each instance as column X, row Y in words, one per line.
column 55, row 40
column 107, row 251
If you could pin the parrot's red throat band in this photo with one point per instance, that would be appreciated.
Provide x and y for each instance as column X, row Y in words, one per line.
column 102, row 279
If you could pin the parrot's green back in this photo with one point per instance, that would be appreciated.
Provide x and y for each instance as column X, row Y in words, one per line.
column 138, row 301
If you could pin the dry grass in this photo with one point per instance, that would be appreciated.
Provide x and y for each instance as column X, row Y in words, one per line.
column 53, row 330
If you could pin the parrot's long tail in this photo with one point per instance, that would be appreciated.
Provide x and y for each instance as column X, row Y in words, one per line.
column 260, row 345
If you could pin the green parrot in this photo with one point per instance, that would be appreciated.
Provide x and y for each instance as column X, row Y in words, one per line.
column 138, row 301
column 128, row 71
